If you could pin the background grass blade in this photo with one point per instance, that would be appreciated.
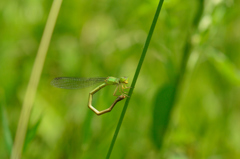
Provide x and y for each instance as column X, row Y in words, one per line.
column 166, row 96
column 5, row 125
column 34, row 80
column 224, row 66
column 135, row 76
column 31, row 133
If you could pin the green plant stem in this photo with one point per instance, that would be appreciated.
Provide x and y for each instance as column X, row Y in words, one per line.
column 135, row 77
column 188, row 45
column 34, row 80
column 177, row 83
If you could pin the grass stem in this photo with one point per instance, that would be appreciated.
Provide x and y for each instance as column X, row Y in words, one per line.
column 145, row 48
column 34, row 80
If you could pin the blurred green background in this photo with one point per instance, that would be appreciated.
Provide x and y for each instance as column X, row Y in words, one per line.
column 105, row 38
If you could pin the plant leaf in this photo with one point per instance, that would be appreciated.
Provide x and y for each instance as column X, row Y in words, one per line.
column 164, row 102
column 224, row 66
column 6, row 130
column 31, row 133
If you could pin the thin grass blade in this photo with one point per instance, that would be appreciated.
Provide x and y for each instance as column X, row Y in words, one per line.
column 145, row 48
column 6, row 130
column 31, row 133
column 34, row 80
column 75, row 82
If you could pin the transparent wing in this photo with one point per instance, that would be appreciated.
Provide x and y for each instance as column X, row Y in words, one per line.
column 76, row 83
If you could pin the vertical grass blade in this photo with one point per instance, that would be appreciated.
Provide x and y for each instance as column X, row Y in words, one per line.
column 5, row 125
column 145, row 48
column 34, row 80
column 31, row 133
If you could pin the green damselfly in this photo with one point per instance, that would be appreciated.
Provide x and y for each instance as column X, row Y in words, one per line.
column 78, row 83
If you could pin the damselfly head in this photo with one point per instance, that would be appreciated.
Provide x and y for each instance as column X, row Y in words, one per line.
column 124, row 80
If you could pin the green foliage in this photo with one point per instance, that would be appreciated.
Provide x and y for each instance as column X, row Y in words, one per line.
column 31, row 133
column 163, row 105
column 105, row 38
column 224, row 66
column 6, row 130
